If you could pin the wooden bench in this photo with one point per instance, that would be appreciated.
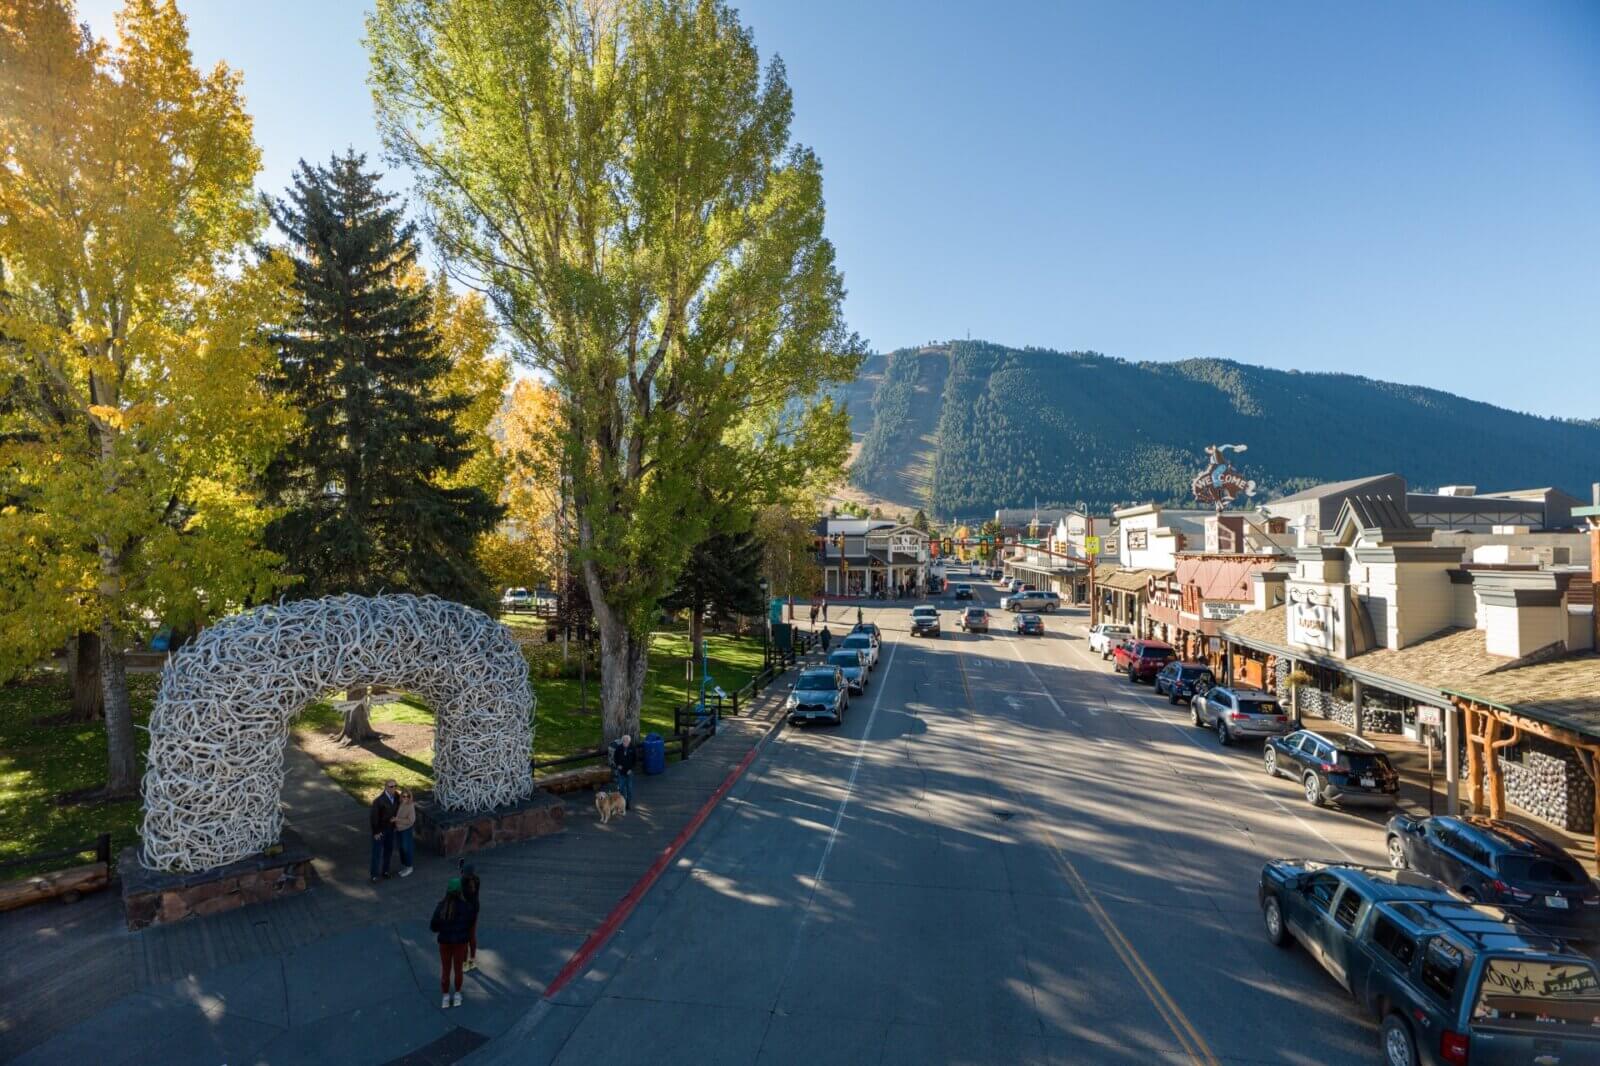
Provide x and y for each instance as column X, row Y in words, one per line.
column 575, row 780
column 68, row 884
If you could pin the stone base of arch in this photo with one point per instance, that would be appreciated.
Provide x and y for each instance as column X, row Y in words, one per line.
column 450, row 833
column 158, row 897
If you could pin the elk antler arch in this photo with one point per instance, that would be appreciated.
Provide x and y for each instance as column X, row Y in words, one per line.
column 222, row 714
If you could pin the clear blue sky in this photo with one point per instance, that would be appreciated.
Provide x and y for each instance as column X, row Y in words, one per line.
column 1407, row 191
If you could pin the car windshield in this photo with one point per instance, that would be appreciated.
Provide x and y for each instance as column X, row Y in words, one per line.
column 1527, row 868
column 1250, row 706
column 817, row 682
column 1030, row 618
column 860, row 640
column 974, row 612
column 923, row 612
column 963, row 588
column 1156, row 653
column 1192, row 673
column 1530, row 993
column 847, row 659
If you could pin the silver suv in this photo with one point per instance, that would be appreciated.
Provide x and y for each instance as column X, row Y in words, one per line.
column 1239, row 712
column 1034, row 600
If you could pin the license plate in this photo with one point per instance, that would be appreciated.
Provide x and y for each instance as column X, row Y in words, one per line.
column 1558, row 902
column 1369, row 782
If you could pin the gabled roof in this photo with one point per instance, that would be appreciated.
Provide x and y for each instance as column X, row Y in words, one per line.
column 1330, row 488
column 1383, row 515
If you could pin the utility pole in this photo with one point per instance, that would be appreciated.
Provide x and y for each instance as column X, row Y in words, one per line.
column 1094, row 600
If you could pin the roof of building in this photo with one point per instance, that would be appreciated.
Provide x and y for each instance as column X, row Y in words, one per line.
column 1130, row 580
column 1330, row 488
column 1563, row 692
column 854, row 527
column 1021, row 516
column 1376, row 512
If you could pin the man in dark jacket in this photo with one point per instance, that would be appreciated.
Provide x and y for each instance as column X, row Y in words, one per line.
column 381, row 820
column 827, row 640
column 453, row 920
column 624, row 757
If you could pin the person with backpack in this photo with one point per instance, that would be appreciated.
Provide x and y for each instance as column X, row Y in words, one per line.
column 470, row 885
column 453, row 919
column 624, row 757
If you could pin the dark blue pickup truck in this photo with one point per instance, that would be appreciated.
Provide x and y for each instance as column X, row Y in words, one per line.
column 1451, row 982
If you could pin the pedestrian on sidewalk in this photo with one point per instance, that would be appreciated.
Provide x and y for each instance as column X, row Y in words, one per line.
column 381, row 820
column 452, row 921
column 827, row 641
column 623, row 759
column 813, row 616
column 824, row 608
column 859, row 616
column 405, row 821
column 469, row 892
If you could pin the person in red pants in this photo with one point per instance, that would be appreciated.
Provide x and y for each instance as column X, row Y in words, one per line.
column 453, row 919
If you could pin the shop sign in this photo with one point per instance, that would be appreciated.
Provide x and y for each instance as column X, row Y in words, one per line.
column 905, row 544
column 1222, row 610
column 1091, row 545
column 1314, row 620
column 1430, row 716
column 1138, row 539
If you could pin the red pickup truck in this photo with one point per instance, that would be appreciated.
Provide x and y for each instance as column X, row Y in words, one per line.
column 1142, row 660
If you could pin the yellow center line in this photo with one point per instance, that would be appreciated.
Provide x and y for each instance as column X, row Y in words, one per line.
column 1185, row 1033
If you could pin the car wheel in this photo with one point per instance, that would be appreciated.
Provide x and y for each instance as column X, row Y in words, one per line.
column 1272, row 918
column 1314, row 791
column 1399, row 1049
column 1132, row 678
column 1223, row 736
column 1397, row 853
column 1269, row 760
column 1194, row 716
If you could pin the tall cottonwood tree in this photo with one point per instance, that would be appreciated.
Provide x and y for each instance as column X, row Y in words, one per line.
column 619, row 177
column 368, row 483
column 133, row 350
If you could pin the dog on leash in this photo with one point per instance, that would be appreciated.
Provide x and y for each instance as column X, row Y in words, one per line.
column 610, row 804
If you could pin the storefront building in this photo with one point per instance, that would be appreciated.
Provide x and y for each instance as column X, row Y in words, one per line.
column 1385, row 631
column 871, row 557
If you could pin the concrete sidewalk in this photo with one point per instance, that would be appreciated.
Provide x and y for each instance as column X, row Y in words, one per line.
column 346, row 972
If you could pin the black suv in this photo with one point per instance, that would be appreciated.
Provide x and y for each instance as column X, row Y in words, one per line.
column 963, row 592
column 1450, row 982
column 1334, row 767
column 1504, row 863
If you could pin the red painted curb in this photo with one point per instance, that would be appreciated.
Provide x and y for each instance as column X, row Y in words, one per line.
column 603, row 932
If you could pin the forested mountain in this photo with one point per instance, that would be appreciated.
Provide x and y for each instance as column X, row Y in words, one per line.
column 1019, row 426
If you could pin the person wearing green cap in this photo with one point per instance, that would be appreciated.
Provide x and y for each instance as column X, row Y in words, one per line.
column 453, row 919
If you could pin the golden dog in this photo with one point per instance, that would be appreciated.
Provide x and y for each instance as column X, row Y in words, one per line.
column 609, row 804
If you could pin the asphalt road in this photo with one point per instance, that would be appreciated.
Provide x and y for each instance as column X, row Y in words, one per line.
column 1005, row 854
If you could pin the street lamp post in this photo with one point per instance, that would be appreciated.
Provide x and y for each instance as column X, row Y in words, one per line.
column 766, row 627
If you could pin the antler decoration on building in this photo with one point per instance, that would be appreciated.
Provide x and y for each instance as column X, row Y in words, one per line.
column 222, row 714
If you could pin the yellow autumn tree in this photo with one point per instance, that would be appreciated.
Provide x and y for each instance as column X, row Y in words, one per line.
column 526, row 550
column 132, row 423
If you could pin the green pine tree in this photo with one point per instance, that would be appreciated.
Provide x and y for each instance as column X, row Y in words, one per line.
column 721, row 579
column 362, row 480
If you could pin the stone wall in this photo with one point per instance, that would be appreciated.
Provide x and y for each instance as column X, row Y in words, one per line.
column 450, row 833
column 1547, row 782
column 155, row 897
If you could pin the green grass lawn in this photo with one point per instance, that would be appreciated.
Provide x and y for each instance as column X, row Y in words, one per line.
column 561, row 727
column 40, row 760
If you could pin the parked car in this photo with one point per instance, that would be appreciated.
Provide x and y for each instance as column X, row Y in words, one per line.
column 1030, row 625
column 1239, row 712
column 925, row 621
column 975, row 620
column 1180, row 681
column 963, row 591
column 862, row 642
column 853, row 665
column 1142, row 660
column 1032, row 600
column 868, row 627
column 1334, row 768
column 1449, row 982
column 545, row 598
column 1012, row 584
column 1503, row 863
column 820, row 692
column 1104, row 637
column 517, row 599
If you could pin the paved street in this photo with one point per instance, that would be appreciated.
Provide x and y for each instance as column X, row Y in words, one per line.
column 1006, row 854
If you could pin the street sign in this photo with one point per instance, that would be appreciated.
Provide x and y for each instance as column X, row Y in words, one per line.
column 1091, row 545
column 1430, row 716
